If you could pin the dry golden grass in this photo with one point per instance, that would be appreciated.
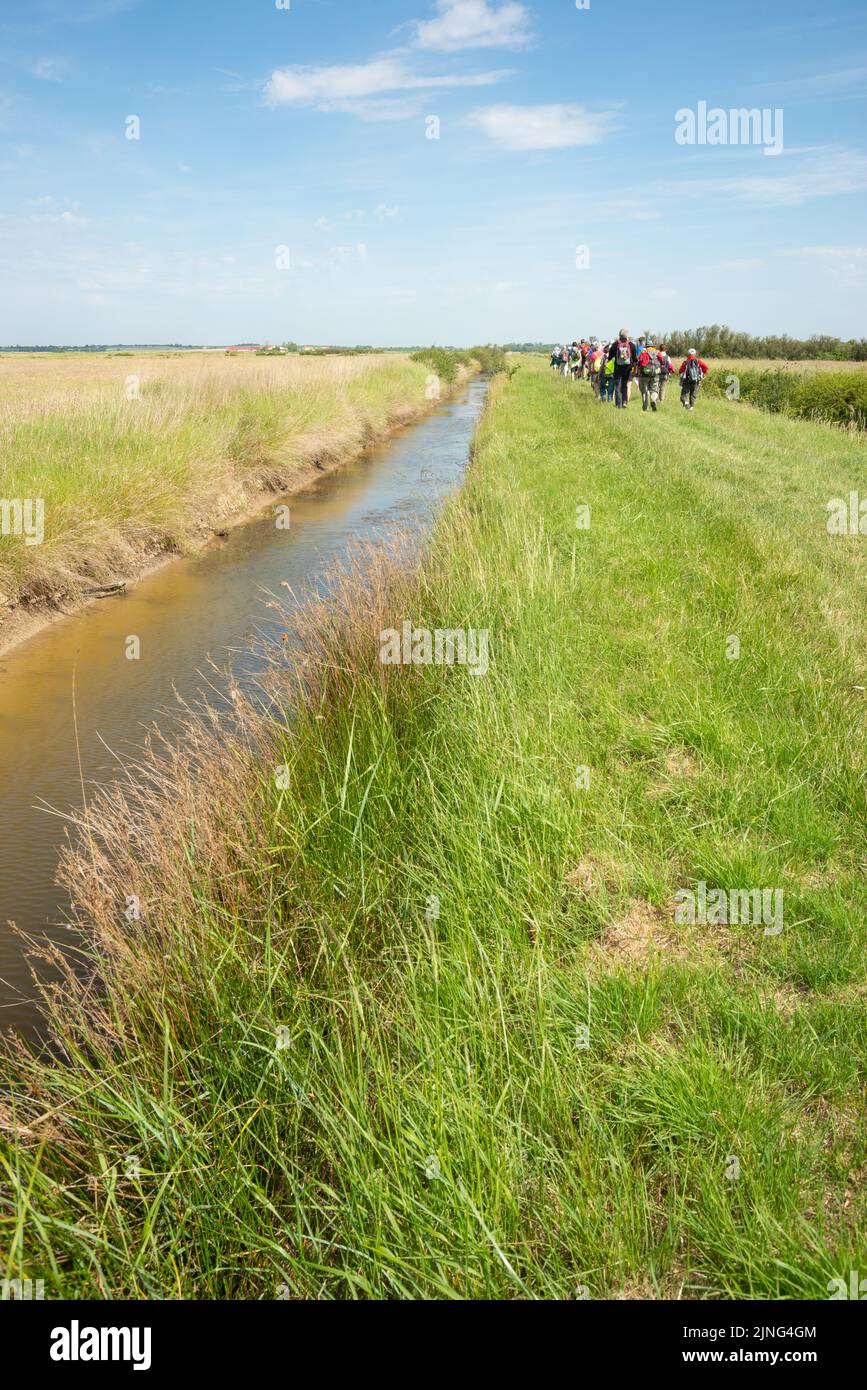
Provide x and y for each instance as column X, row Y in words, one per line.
column 136, row 456
column 770, row 364
column 68, row 381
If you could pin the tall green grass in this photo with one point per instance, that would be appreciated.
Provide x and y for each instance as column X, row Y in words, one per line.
column 838, row 398
column 342, row 1054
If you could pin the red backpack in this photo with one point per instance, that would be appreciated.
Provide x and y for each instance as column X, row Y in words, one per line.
column 623, row 354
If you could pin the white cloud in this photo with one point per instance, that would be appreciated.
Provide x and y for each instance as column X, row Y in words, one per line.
column 51, row 69
column 351, row 87
column 383, row 212
column 310, row 86
column 464, row 24
column 540, row 127
column 380, row 108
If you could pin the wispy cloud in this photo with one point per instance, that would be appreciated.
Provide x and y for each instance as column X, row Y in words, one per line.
column 740, row 267
column 827, row 175
column 51, row 69
column 845, row 263
column 817, row 84
column 462, row 24
column 364, row 88
column 632, row 209
column 541, row 127
column 53, row 210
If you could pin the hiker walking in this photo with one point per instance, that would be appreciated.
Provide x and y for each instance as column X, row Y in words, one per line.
column 622, row 352
column 606, row 390
column 649, row 371
column 667, row 366
column 607, row 377
column 596, row 365
column 692, row 373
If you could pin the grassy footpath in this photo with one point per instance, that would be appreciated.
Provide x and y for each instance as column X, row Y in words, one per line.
column 137, row 457
column 342, row 1054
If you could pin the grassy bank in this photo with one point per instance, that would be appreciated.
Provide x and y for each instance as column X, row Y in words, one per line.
column 405, row 1010
column 136, row 458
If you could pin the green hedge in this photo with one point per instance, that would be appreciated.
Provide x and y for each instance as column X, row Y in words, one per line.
column 839, row 398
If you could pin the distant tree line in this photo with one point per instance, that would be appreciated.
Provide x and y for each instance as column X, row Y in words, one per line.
column 718, row 340
column 101, row 347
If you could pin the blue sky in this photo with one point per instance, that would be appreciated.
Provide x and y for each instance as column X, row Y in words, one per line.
column 307, row 128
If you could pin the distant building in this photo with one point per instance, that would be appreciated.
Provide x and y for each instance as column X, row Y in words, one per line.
column 244, row 347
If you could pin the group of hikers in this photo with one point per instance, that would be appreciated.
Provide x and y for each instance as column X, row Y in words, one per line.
column 612, row 367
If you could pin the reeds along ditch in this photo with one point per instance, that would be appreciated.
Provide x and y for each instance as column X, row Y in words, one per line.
column 135, row 460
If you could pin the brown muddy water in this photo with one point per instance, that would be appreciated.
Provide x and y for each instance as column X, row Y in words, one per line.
column 210, row 607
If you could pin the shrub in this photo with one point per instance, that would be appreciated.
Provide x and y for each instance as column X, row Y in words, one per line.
column 838, row 398
column 443, row 361
column 490, row 359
